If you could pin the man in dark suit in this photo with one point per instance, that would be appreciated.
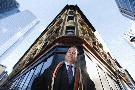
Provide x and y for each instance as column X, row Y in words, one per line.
column 67, row 75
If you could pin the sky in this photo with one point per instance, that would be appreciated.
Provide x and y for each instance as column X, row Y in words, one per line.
column 104, row 15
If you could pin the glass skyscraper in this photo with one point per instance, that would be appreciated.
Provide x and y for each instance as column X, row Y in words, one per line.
column 8, row 7
column 127, row 8
column 14, row 27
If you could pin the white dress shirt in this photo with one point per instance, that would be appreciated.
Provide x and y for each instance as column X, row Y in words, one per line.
column 73, row 68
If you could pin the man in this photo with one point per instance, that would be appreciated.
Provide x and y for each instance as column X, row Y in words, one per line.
column 67, row 75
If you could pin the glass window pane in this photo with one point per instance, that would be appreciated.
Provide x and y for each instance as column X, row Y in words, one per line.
column 17, row 83
column 34, row 75
column 20, row 81
column 70, row 18
column 71, row 12
column 70, row 30
column 38, row 69
column 23, row 80
column 13, row 84
column 111, row 82
column 103, row 79
column 47, row 64
column 93, row 73
column 28, row 79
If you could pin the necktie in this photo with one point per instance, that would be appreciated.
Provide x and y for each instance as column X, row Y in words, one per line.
column 70, row 73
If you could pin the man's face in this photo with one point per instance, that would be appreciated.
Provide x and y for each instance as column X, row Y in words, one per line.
column 71, row 55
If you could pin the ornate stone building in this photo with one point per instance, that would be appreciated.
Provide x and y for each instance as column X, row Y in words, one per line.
column 70, row 27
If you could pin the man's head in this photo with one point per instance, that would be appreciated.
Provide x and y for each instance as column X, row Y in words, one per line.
column 71, row 55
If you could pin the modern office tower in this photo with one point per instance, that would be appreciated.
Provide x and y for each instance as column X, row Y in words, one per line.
column 15, row 27
column 127, row 8
column 8, row 7
column 70, row 27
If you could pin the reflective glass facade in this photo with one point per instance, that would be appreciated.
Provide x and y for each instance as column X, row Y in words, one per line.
column 25, row 79
column 127, row 8
column 102, row 79
column 8, row 7
column 14, row 27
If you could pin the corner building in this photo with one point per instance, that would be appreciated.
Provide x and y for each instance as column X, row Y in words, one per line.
column 70, row 27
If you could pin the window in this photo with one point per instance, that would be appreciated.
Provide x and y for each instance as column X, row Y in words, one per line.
column 45, row 45
column 38, row 69
column 17, row 83
column 71, row 12
column 70, row 30
column 70, row 18
column 13, row 84
column 34, row 73
column 23, row 80
column 28, row 79
column 47, row 64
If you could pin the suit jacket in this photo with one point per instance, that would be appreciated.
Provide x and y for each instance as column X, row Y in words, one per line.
column 61, row 81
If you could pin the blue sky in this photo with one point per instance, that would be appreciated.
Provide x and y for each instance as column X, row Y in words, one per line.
column 104, row 16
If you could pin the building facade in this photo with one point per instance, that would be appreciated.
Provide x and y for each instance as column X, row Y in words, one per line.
column 8, row 7
column 127, row 8
column 70, row 27
column 15, row 27
column 2, row 68
column 3, row 73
